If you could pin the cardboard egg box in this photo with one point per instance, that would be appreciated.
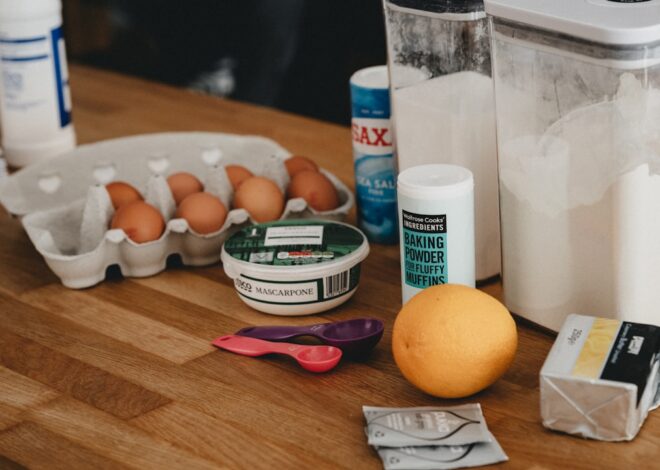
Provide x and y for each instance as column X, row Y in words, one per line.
column 66, row 210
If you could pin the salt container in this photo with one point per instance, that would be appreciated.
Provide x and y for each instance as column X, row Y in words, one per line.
column 577, row 87
column 442, row 101
column 375, row 175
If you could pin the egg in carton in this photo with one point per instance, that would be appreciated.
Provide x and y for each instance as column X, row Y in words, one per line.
column 69, row 225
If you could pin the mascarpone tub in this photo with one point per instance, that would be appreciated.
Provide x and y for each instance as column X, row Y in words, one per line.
column 295, row 267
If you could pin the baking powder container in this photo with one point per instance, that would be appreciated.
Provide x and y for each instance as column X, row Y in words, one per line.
column 436, row 220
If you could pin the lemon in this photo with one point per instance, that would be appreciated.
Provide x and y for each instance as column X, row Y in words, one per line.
column 452, row 341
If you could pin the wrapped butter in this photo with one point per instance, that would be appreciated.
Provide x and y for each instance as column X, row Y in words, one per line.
column 600, row 378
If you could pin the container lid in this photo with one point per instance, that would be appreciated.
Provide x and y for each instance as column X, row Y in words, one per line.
column 435, row 181
column 616, row 22
column 372, row 77
column 293, row 248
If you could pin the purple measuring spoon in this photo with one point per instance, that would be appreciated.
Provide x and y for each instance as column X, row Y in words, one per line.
column 355, row 337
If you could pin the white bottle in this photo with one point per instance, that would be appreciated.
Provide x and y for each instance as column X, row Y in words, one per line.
column 35, row 102
column 436, row 227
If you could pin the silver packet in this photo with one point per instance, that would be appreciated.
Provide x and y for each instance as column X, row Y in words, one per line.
column 442, row 457
column 426, row 426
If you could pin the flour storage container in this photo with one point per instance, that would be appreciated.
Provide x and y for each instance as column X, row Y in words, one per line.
column 442, row 101
column 577, row 87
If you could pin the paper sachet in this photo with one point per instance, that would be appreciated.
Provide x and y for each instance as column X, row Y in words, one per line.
column 426, row 426
column 442, row 457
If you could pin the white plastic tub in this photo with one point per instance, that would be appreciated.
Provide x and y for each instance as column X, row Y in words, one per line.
column 295, row 267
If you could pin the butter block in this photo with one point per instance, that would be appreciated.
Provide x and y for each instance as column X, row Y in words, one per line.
column 600, row 378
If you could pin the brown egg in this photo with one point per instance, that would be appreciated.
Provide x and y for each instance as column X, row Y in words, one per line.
column 299, row 163
column 204, row 212
column 237, row 174
column 315, row 188
column 261, row 197
column 141, row 221
column 122, row 193
column 184, row 184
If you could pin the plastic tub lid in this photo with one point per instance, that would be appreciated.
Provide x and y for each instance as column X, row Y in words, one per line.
column 293, row 249
column 615, row 22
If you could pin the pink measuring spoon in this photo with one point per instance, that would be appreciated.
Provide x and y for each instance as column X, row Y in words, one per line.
column 311, row 358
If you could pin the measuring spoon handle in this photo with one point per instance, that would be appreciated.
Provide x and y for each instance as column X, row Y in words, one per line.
column 254, row 347
column 279, row 333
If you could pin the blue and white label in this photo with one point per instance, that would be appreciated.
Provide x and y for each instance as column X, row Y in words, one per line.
column 35, row 84
column 375, row 173
column 61, row 76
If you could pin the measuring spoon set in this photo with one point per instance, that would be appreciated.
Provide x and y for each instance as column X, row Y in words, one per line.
column 356, row 337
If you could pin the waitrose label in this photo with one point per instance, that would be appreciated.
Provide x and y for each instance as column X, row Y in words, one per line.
column 424, row 249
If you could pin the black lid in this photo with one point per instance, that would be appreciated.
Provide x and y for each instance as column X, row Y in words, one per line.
column 442, row 6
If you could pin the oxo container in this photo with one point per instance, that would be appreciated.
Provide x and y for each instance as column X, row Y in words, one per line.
column 295, row 267
column 577, row 87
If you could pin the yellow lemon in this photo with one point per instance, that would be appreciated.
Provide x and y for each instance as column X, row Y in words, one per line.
column 452, row 341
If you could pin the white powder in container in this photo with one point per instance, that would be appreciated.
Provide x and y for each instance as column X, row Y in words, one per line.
column 580, row 212
column 451, row 119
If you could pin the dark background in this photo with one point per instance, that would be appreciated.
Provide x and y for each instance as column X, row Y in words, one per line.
column 296, row 55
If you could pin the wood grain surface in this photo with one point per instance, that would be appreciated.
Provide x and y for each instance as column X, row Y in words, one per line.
column 122, row 375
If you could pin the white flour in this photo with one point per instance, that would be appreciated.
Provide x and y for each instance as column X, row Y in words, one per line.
column 451, row 119
column 580, row 213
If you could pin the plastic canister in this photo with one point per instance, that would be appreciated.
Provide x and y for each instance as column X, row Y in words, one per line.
column 375, row 173
column 35, row 99
column 443, row 107
column 577, row 93
column 436, row 220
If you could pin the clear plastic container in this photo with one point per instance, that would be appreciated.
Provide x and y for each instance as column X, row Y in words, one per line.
column 577, row 85
column 442, row 101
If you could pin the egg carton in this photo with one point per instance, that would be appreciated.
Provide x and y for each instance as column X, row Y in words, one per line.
column 66, row 210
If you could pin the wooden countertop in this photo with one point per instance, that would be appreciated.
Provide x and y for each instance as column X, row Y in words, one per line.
column 123, row 375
